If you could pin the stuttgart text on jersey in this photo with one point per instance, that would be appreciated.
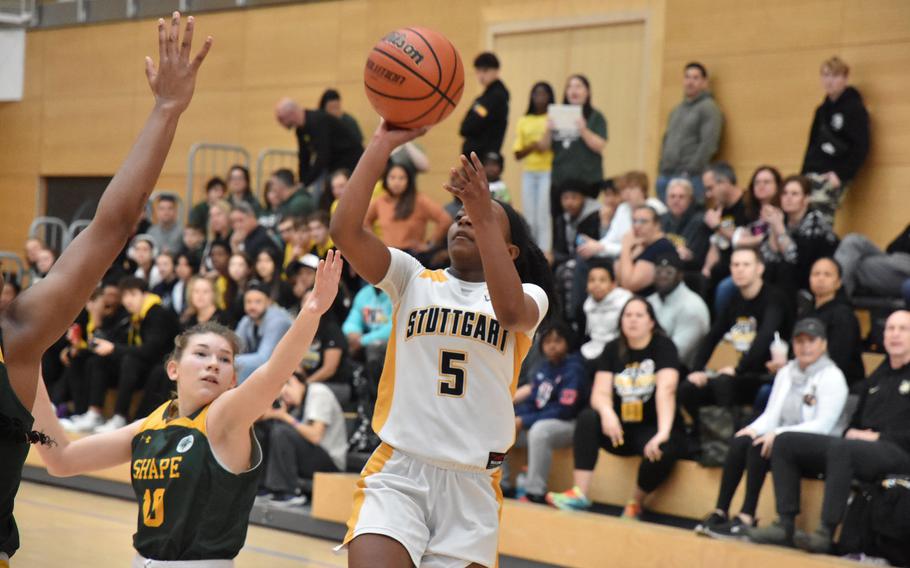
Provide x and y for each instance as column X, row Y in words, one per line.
column 437, row 320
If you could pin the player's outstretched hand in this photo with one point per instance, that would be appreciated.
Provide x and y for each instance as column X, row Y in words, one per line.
column 471, row 187
column 327, row 276
column 394, row 137
column 174, row 80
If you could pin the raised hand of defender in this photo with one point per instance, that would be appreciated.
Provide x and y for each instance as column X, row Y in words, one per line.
column 469, row 184
column 328, row 273
column 174, row 80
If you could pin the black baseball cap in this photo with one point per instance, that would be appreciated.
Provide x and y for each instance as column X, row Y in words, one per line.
column 812, row 327
column 669, row 259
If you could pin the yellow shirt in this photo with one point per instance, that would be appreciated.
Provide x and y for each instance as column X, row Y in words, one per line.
column 531, row 128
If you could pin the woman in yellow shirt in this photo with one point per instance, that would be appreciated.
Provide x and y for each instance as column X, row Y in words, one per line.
column 532, row 144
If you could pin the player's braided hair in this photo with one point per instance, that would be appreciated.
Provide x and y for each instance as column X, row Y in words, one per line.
column 531, row 264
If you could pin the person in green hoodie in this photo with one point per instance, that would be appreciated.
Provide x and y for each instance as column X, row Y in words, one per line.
column 692, row 135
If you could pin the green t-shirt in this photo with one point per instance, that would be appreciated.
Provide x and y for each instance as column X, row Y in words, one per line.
column 576, row 161
column 15, row 422
column 191, row 507
column 300, row 204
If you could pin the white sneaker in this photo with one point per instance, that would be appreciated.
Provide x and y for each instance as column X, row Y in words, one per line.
column 114, row 423
column 84, row 422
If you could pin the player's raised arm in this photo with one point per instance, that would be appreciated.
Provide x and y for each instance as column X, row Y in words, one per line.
column 366, row 253
column 236, row 410
column 515, row 310
column 41, row 314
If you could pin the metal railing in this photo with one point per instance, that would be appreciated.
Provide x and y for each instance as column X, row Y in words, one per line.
column 55, row 232
column 271, row 159
column 7, row 258
column 75, row 228
column 207, row 159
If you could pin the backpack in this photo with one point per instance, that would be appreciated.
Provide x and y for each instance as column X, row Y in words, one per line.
column 877, row 522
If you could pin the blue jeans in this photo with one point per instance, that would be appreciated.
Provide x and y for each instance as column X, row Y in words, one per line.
column 535, row 204
column 697, row 188
column 723, row 295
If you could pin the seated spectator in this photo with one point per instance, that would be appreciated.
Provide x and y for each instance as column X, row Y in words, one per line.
column 330, row 103
column 129, row 365
column 193, row 241
column 869, row 270
column 808, row 396
column 327, row 360
column 728, row 213
column 281, row 292
column 331, row 193
column 33, row 245
column 293, row 200
column 9, row 291
column 106, row 318
column 295, row 235
column 580, row 216
column 167, row 229
column 832, row 308
column 143, row 251
column 201, row 307
column 838, row 139
column 797, row 238
column 492, row 166
column 187, row 266
column 219, row 225
column 248, row 235
column 304, row 435
column 545, row 409
column 301, row 273
column 239, row 188
column 877, row 444
column 601, row 309
column 262, row 326
column 165, row 263
column 402, row 215
column 368, row 327
column 44, row 260
column 240, row 272
column 318, row 225
column 216, row 268
column 684, row 225
column 640, row 248
column 632, row 412
column 763, row 195
column 633, row 188
column 749, row 323
column 215, row 188
column 681, row 312
column 268, row 216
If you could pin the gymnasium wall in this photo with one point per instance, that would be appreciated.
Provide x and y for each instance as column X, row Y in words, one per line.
column 86, row 97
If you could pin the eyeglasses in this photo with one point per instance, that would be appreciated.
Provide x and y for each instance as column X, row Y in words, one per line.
column 640, row 221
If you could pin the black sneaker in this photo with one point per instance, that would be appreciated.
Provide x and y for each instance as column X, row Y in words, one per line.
column 734, row 529
column 715, row 519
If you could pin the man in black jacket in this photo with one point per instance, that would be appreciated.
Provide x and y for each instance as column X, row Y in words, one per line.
column 149, row 340
column 838, row 141
column 877, row 443
column 484, row 126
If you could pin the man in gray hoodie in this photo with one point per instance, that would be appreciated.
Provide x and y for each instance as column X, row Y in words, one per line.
column 693, row 133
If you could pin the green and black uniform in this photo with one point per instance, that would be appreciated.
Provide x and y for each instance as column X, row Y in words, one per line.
column 191, row 507
column 15, row 426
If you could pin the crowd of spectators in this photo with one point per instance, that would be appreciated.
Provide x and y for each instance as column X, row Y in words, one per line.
column 650, row 288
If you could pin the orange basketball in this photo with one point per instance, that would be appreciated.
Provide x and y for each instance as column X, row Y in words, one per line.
column 414, row 77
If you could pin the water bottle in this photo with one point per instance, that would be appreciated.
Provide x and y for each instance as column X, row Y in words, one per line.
column 520, row 481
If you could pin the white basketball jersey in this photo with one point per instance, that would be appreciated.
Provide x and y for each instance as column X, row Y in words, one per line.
column 450, row 369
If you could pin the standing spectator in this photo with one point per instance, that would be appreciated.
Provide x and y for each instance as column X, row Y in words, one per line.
column 632, row 412
column 877, row 443
column 601, row 309
column 531, row 146
column 167, row 229
column 304, row 435
column 838, row 140
column 808, row 396
column 492, row 167
column 402, row 214
column 830, row 306
column 248, row 236
column 330, row 103
column 202, row 307
column 749, row 323
column 215, row 188
column 546, row 407
column 797, row 238
column 260, row 330
column 368, row 327
column 579, row 159
column 484, row 125
column 640, row 248
column 692, row 135
column 239, row 188
column 129, row 365
column 684, row 225
column 321, row 135
column 681, row 312
column 869, row 269
column 267, row 272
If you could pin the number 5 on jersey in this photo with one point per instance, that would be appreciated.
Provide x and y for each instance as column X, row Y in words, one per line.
column 454, row 377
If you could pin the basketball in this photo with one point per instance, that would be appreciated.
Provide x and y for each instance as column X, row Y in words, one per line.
column 414, row 77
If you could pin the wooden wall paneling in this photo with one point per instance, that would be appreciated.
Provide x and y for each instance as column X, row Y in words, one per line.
column 876, row 204
column 34, row 66
column 17, row 193
column 875, row 21
column 225, row 66
column 20, row 146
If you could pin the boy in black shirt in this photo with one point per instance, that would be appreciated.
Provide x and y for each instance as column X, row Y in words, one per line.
column 484, row 125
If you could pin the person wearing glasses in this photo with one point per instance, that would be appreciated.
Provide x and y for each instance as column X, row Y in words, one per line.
column 640, row 248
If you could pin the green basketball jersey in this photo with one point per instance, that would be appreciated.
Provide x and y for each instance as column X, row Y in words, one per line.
column 15, row 424
column 190, row 507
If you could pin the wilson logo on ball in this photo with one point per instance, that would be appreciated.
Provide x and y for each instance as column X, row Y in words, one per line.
column 385, row 73
column 401, row 42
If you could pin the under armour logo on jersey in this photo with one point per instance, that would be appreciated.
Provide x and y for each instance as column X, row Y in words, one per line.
column 434, row 275
column 147, row 439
